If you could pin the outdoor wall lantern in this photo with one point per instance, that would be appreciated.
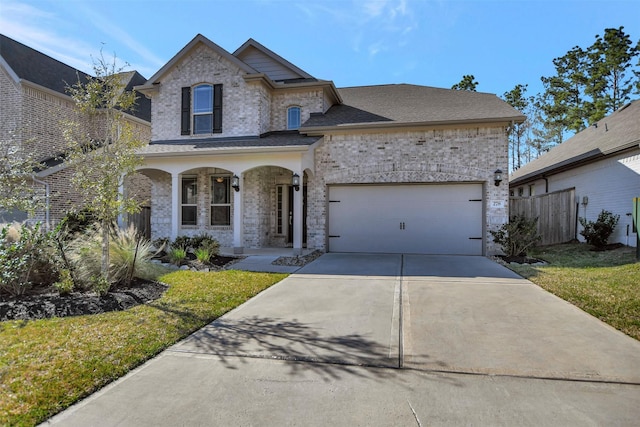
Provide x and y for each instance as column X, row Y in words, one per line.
column 497, row 177
column 235, row 182
column 295, row 182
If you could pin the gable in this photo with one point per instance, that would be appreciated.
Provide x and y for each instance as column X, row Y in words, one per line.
column 269, row 63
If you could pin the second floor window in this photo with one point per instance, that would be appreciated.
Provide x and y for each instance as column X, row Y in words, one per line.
column 293, row 118
column 201, row 111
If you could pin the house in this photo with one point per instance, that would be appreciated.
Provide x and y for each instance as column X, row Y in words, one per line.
column 602, row 164
column 253, row 150
column 33, row 103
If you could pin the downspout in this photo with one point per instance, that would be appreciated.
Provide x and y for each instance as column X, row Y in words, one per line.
column 47, row 196
column 546, row 184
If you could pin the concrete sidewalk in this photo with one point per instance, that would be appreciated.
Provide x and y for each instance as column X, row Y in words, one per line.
column 355, row 339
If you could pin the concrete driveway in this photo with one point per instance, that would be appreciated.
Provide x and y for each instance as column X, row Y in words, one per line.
column 358, row 339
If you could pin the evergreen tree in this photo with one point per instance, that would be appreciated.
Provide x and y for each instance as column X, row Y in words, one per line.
column 467, row 83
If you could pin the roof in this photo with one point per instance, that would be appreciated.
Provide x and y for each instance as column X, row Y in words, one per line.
column 612, row 134
column 412, row 104
column 30, row 65
column 36, row 67
column 286, row 139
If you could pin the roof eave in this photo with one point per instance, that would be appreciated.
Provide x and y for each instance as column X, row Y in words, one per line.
column 572, row 163
column 320, row 130
column 231, row 150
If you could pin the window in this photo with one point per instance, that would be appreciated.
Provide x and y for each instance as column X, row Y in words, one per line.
column 220, row 200
column 189, row 208
column 201, row 112
column 520, row 191
column 293, row 118
column 202, row 109
column 280, row 209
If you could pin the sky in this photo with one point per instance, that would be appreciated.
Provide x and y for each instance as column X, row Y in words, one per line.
column 351, row 42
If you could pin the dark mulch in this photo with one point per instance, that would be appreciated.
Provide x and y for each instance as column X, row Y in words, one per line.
column 52, row 304
column 520, row 259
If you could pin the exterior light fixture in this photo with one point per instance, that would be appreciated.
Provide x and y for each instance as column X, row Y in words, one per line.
column 220, row 180
column 235, row 182
column 497, row 177
column 295, row 182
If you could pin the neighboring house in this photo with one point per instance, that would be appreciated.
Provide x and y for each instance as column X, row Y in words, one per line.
column 34, row 102
column 602, row 163
column 256, row 152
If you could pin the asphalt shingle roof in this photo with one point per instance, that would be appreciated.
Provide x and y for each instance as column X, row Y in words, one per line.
column 405, row 103
column 38, row 68
column 613, row 133
column 198, row 146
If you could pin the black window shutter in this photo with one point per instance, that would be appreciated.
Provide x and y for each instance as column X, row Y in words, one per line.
column 186, row 111
column 217, row 108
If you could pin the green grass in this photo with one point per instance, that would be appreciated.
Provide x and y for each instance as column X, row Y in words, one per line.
column 604, row 284
column 47, row 365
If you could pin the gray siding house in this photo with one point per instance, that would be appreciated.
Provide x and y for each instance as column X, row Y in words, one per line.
column 602, row 164
column 256, row 152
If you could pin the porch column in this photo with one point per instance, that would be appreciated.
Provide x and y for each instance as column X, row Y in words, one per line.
column 237, row 218
column 297, row 217
column 175, row 205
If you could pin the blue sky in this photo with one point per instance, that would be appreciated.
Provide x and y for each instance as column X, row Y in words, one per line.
column 352, row 42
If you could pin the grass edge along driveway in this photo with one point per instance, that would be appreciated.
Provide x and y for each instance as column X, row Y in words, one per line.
column 47, row 365
column 604, row 284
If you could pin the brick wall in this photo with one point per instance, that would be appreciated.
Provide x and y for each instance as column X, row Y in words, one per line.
column 469, row 155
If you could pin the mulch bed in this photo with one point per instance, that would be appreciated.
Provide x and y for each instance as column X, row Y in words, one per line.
column 520, row 259
column 52, row 304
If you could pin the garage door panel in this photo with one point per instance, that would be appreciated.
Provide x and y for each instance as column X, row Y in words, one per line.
column 437, row 219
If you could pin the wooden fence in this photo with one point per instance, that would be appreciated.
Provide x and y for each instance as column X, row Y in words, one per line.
column 142, row 221
column 556, row 213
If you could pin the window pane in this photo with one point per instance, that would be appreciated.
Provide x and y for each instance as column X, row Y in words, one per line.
column 203, row 123
column 189, row 216
column 189, row 191
column 220, row 191
column 203, row 99
column 220, row 215
column 293, row 118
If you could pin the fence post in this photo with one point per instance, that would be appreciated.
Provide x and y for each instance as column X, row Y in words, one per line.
column 636, row 224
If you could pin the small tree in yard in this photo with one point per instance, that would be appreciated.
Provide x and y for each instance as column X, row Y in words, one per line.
column 517, row 236
column 597, row 233
column 16, row 170
column 102, row 148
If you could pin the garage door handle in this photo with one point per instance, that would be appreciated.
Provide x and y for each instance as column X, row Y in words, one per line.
column 330, row 236
column 402, row 226
column 475, row 238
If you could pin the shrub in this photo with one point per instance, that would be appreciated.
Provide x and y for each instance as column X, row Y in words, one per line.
column 129, row 253
column 202, row 255
column 177, row 255
column 517, row 236
column 65, row 284
column 161, row 243
column 183, row 242
column 26, row 258
column 77, row 222
column 207, row 242
column 597, row 233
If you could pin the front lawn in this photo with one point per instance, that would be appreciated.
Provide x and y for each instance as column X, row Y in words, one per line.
column 605, row 284
column 47, row 365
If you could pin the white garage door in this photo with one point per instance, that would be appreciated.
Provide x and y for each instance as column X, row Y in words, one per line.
column 425, row 219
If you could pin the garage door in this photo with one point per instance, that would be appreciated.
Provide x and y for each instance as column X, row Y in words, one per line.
column 426, row 219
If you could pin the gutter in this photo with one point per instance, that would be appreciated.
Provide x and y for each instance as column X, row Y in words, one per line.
column 321, row 130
